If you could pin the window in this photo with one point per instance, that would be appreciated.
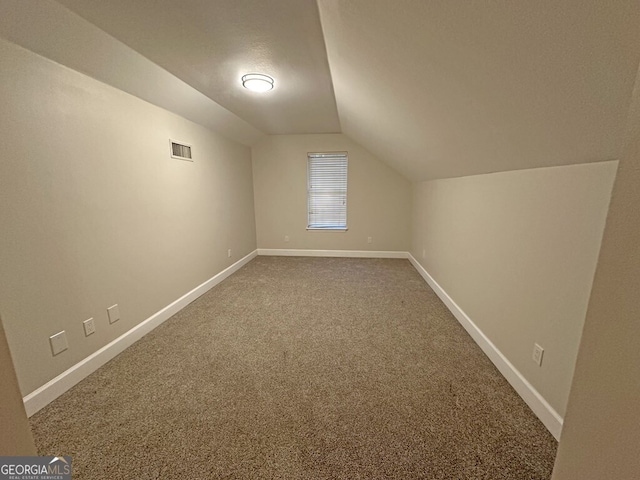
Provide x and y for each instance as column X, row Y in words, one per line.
column 327, row 191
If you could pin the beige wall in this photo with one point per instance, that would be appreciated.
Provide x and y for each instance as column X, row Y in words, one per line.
column 601, row 438
column 378, row 202
column 15, row 434
column 517, row 252
column 94, row 211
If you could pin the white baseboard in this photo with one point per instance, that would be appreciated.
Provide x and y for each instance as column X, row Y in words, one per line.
column 44, row 395
column 547, row 415
column 330, row 253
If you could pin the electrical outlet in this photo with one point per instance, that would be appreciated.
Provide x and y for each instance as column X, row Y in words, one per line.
column 114, row 313
column 286, row 238
column 58, row 342
column 538, row 351
column 229, row 253
column 424, row 253
column 89, row 327
column 369, row 240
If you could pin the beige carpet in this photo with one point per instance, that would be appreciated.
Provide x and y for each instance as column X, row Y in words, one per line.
column 301, row 368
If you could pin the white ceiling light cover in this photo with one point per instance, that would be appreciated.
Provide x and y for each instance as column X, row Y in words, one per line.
column 257, row 82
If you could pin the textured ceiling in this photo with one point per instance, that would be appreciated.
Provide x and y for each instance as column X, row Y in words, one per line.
column 434, row 88
column 51, row 30
column 211, row 44
column 453, row 88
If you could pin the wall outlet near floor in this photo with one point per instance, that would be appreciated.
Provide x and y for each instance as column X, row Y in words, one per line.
column 58, row 342
column 538, row 351
column 89, row 327
column 424, row 253
column 286, row 238
column 229, row 253
column 369, row 240
column 114, row 313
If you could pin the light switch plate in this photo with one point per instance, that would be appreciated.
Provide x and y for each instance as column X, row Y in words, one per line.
column 58, row 342
column 114, row 313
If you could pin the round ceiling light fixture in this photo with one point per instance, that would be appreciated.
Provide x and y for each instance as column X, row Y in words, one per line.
column 257, row 82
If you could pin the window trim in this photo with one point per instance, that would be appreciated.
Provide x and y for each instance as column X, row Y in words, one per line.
column 336, row 228
column 328, row 229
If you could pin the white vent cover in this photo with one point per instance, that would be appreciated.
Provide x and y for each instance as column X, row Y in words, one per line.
column 180, row 150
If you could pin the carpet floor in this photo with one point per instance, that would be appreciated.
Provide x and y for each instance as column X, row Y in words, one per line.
column 301, row 368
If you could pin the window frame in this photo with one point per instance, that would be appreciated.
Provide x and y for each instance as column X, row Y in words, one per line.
column 316, row 226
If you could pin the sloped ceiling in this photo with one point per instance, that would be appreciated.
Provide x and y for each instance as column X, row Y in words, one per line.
column 435, row 88
column 211, row 44
column 49, row 29
column 452, row 88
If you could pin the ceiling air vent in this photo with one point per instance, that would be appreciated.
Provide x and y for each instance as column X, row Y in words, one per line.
column 180, row 150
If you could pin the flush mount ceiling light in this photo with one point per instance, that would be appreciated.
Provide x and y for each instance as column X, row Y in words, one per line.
column 257, row 82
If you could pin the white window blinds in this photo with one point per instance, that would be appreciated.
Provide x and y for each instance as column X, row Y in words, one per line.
column 327, row 191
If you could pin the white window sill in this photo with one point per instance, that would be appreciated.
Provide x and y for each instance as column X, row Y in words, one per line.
column 328, row 229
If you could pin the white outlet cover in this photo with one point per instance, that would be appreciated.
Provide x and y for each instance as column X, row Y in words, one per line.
column 229, row 253
column 114, row 313
column 58, row 342
column 538, row 352
column 89, row 327
column 369, row 240
column 286, row 238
